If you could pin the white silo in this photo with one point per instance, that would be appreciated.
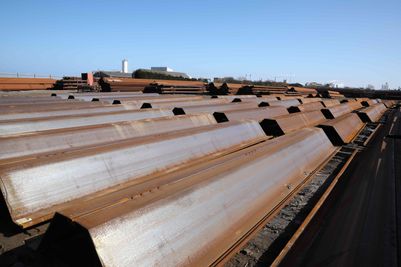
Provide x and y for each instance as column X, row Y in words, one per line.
column 125, row 66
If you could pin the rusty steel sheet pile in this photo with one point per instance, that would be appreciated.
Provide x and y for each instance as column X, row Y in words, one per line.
column 198, row 218
column 43, row 107
column 342, row 129
column 32, row 186
column 20, row 126
column 139, row 98
column 172, row 104
column 291, row 122
column 66, row 95
column 372, row 113
column 232, row 97
column 337, row 111
column 285, row 103
column 330, row 102
column 312, row 106
column 370, row 102
column 180, row 110
column 389, row 103
column 32, row 143
column 13, row 100
column 307, row 100
column 257, row 114
column 17, row 84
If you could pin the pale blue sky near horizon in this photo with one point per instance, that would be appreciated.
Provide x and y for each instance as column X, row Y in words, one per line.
column 352, row 41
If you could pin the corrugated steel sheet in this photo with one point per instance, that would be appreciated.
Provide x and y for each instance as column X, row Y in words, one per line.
column 86, row 136
column 257, row 114
column 33, row 186
column 186, row 103
column 342, row 129
column 42, row 124
column 330, row 102
column 372, row 113
column 291, row 122
column 306, row 107
column 181, row 223
column 179, row 110
column 285, row 103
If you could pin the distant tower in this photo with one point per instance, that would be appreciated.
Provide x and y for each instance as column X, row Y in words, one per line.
column 125, row 66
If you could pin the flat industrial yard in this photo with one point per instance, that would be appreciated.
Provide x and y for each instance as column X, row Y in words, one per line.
column 174, row 173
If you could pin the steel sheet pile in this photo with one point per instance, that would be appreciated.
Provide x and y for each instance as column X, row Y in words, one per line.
column 136, row 179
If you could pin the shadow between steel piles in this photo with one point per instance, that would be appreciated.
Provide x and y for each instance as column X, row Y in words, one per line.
column 36, row 144
column 24, row 126
column 343, row 129
column 372, row 113
column 178, row 219
column 291, row 122
column 34, row 188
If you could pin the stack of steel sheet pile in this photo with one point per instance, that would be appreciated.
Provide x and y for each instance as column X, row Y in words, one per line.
column 12, row 84
column 159, row 179
column 152, row 86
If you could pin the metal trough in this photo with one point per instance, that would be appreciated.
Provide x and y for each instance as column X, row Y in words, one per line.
column 42, row 124
column 291, row 122
column 85, row 136
column 33, row 187
column 372, row 113
column 257, row 114
column 198, row 217
column 342, row 129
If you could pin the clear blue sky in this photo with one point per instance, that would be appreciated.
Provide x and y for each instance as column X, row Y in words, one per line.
column 356, row 42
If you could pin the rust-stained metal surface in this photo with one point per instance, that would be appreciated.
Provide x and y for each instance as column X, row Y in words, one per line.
column 172, row 104
column 181, row 223
column 372, row 113
column 291, row 122
column 368, row 103
column 68, row 110
column 307, row 100
column 389, row 103
column 337, row 111
column 179, row 110
column 306, row 107
column 330, row 102
column 342, row 129
column 139, row 99
column 32, row 143
column 285, row 103
column 257, row 114
column 14, row 127
column 66, row 95
column 31, row 186
column 52, row 106
column 232, row 97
